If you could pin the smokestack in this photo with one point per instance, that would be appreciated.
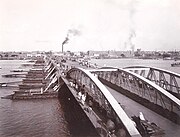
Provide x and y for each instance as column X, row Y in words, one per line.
column 71, row 32
column 64, row 42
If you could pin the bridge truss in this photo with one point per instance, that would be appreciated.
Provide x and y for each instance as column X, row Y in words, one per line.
column 106, row 105
column 140, row 86
column 170, row 81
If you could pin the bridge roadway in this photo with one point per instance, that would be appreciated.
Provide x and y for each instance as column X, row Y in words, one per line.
column 133, row 108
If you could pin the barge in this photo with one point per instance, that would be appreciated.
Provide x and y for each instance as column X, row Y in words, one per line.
column 35, row 83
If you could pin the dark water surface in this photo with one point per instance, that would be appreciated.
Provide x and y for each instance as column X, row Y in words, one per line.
column 29, row 118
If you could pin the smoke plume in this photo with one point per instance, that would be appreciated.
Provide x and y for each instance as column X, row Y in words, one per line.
column 132, row 32
column 71, row 33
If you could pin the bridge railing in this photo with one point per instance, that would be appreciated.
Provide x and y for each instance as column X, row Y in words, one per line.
column 141, row 87
column 53, row 75
column 104, row 103
column 168, row 80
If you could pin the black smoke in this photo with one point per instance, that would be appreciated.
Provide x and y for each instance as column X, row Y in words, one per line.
column 71, row 32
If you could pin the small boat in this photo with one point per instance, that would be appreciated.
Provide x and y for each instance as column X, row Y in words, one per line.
column 175, row 64
column 3, row 85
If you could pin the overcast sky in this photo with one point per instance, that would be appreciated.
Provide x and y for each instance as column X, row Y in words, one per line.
column 30, row 25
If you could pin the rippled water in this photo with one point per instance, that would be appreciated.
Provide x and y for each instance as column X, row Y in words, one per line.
column 30, row 118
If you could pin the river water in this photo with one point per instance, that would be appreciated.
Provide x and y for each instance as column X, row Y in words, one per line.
column 121, row 63
column 37, row 118
column 32, row 118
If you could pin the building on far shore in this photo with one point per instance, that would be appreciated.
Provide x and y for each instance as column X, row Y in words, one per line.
column 111, row 54
column 18, row 55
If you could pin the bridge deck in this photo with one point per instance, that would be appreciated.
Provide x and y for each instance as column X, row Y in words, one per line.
column 171, row 129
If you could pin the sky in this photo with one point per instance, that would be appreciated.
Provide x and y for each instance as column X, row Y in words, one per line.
column 31, row 25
